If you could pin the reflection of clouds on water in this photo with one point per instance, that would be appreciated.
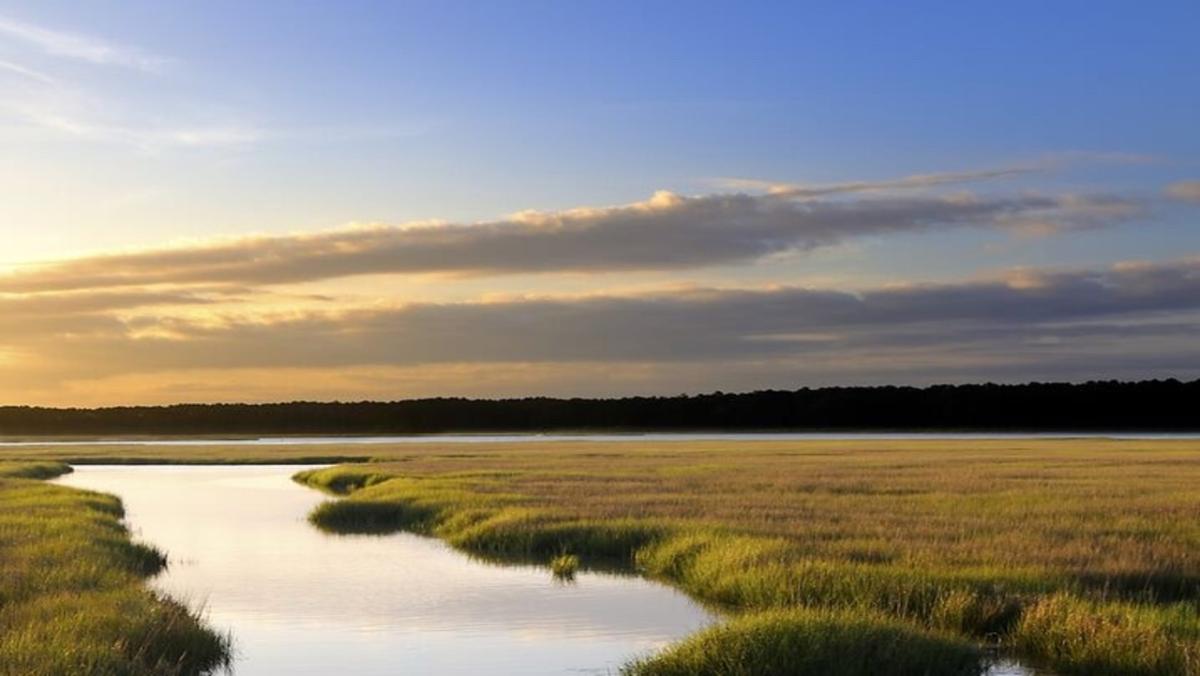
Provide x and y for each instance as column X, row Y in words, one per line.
column 301, row 601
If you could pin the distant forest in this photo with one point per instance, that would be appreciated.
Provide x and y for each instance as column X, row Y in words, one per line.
column 1108, row 405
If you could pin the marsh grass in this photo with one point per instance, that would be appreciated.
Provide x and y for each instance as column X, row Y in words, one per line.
column 344, row 481
column 805, row 642
column 1082, row 554
column 564, row 566
column 1086, row 636
column 33, row 470
column 72, row 598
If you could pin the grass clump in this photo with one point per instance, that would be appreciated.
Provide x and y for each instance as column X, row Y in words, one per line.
column 805, row 642
column 341, row 480
column 33, row 470
column 1082, row 636
column 564, row 566
column 368, row 517
column 122, row 632
column 522, row 533
column 72, row 598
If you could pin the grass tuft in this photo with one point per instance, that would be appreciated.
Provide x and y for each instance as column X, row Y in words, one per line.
column 564, row 566
column 813, row 643
column 1082, row 636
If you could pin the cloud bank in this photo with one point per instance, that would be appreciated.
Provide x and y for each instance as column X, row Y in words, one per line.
column 702, row 324
column 218, row 318
column 666, row 232
column 1130, row 319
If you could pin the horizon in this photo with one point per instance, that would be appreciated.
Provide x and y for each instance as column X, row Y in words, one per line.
column 620, row 397
column 291, row 202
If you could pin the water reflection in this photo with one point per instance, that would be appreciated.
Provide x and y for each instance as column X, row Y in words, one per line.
column 1011, row 667
column 302, row 602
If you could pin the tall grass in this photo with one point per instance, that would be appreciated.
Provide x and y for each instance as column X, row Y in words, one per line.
column 564, row 566
column 812, row 643
column 1090, row 637
column 33, row 470
column 1023, row 544
column 72, row 599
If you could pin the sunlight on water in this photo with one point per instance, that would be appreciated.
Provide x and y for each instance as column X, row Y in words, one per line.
column 302, row 602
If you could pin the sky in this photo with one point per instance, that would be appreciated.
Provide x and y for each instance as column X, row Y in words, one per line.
column 270, row 201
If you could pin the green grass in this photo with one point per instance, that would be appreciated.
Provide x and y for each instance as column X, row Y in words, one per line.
column 1085, row 637
column 216, row 453
column 564, row 566
column 343, row 481
column 72, row 598
column 33, row 470
column 812, row 643
column 1080, row 555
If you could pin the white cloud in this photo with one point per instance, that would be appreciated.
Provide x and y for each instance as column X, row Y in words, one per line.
column 79, row 47
column 28, row 73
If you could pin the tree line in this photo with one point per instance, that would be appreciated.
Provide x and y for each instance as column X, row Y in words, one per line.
column 1098, row 405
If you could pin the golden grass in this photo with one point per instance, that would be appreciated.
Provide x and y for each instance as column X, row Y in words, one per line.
column 71, row 594
column 1081, row 554
column 807, row 642
column 989, row 539
column 564, row 566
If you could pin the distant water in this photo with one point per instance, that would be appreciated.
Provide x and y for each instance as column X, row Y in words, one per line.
column 299, row 601
column 633, row 436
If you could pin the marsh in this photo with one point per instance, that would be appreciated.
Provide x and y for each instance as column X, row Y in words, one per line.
column 299, row 601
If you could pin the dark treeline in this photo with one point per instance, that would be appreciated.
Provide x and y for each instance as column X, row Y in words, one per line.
column 1109, row 405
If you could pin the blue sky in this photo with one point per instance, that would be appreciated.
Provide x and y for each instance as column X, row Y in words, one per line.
column 147, row 126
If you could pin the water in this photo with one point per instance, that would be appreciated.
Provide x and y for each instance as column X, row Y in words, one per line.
column 648, row 436
column 1010, row 667
column 299, row 601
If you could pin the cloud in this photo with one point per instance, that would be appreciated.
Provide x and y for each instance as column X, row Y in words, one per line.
column 86, row 302
column 802, row 191
column 1048, row 162
column 1026, row 324
column 48, row 101
column 28, row 73
column 79, row 47
column 1185, row 191
column 666, row 232
column 702, row 324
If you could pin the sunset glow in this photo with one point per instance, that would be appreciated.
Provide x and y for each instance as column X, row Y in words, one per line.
column 283, row 206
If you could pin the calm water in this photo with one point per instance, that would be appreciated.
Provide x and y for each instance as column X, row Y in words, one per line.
column 649, row 436
column 302, row 602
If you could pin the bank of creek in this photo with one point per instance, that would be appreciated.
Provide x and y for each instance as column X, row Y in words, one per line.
column 299, row 601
